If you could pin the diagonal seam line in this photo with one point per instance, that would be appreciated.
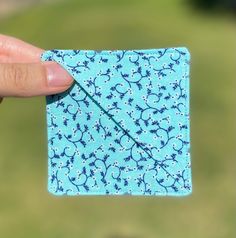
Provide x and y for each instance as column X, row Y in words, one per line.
column 127, row 133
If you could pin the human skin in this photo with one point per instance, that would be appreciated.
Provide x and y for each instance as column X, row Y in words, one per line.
column 22, row 74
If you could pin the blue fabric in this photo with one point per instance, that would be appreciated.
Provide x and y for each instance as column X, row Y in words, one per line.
column 123, row 127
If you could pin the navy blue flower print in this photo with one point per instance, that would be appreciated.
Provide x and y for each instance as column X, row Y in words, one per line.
column 123, row 127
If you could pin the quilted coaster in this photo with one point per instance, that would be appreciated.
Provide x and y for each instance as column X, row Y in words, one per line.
column 123, row 127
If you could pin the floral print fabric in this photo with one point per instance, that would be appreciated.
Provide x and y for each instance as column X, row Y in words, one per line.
column 123, row 127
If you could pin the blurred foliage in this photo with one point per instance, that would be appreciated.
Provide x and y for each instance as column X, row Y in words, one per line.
column 229, row 5
column 26, row 208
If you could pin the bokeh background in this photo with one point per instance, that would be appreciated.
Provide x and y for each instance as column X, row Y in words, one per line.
column 208, row 30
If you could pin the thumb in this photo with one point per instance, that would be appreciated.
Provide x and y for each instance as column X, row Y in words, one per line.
column 33, row 79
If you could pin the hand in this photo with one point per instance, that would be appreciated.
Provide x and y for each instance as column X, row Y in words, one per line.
column 22, row 74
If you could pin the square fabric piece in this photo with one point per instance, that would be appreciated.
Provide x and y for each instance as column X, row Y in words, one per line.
column 123, row 126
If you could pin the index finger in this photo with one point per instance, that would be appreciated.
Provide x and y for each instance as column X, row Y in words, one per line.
column 13, row 50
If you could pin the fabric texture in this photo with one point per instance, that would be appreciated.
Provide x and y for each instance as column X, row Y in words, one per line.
column 124, row 126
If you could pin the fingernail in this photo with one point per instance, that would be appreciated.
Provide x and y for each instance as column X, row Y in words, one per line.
column 57, row 76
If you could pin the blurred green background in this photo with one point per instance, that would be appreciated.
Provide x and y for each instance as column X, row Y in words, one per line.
column 28, row 210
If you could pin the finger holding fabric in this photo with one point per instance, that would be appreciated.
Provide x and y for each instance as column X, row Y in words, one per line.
column 22, row 74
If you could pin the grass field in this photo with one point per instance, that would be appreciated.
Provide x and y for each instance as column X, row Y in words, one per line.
column 26, row 208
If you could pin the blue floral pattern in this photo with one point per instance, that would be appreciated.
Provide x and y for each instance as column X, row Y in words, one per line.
column 123, row 127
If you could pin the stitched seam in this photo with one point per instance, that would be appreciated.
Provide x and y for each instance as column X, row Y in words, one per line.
column 132, row 52
column 187, row 112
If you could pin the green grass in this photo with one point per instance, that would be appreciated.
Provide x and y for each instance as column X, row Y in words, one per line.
column 27, row 210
